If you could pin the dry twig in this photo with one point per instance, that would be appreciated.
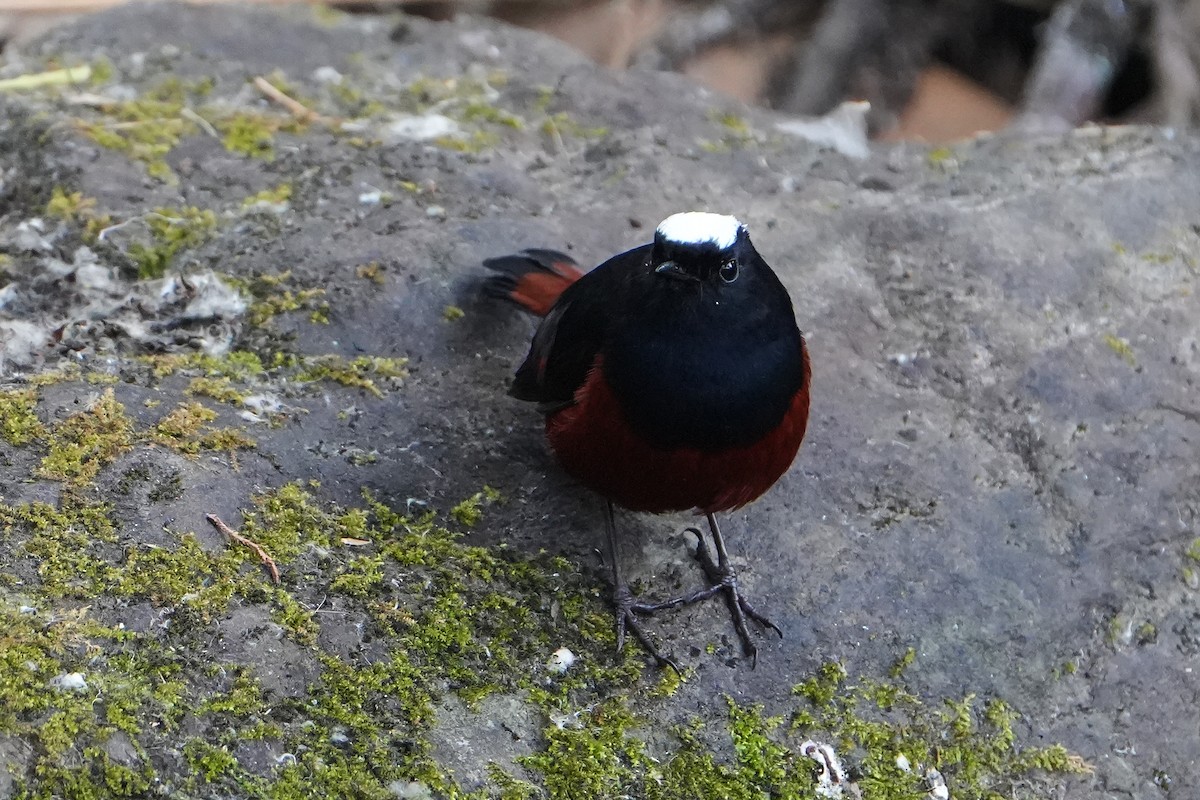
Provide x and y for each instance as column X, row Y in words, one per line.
column 233, row 535
column 294, row 106
column 55, row 77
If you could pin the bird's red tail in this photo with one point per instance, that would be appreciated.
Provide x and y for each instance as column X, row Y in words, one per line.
column 533, row 279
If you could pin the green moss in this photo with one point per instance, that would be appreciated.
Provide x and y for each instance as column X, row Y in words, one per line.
column 320, row 315
column 68, row 206
column 734, row 123
column 1192, row 553
column 275, row 197
column 506, row 787
column 361, row 458
column 1118, row 627
column 19, row 423
column 85, row 442
column 453, row 313
column 149, row 127
column 545, row 99
column 974, row 749
column 182, row 575
column 250, row 135
column 1054, row 759
column 361, row 577
column 594, row 760
column 171, row 230
column 563, row 126
column 436, row 616
column 363, row 372
column 477, row 110
column 186, row 430
column 669, row 682
column 761, row 759
column 228, row 441
column 469, row 511
column 65, row 372
column 903, row 662
column 942, row 157
column 474, row 142
column 371, row 271
column 353, row 102
column 220, row 388
column 243, row 699
column 209, row 762
column 183, row 423
column 237, row 365
column 102, row 71
column 141, row 134
column 221, row 375
column 472, row 102
column 271, row 305
column 65, row 729
column 1121, row 347
column 821, row 689
column 180, row 428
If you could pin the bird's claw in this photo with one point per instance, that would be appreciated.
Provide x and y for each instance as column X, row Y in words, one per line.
column 722, row 579
column 627, row 609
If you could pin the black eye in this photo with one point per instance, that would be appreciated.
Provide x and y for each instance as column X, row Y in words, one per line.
column 729, row 271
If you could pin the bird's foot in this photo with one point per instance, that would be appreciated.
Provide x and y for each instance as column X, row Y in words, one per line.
column 722, row 579
column 627, row 607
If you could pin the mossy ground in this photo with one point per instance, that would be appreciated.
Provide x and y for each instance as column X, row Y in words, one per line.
column 380, row 614
column 432, row 616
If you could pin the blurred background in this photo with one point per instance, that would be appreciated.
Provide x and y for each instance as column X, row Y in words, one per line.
column 932, row 70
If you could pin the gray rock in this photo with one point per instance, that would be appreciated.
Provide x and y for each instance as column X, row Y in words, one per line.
column 1001, row 471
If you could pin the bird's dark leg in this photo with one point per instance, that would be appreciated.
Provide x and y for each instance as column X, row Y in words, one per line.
column 722, row 578
column 627, row 606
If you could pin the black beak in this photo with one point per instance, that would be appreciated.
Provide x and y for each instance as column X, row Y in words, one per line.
column 673, row 270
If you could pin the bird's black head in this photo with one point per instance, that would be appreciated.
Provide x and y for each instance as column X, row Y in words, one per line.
column 697, row 246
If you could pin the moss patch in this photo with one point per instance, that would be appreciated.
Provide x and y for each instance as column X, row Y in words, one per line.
column 363, row 372
column 444, row 617
column 85, row 442
column 230, row 378
column 276, row 294
column 171, row 230
column 148, row 127
column 1121, row 347
column 470, row 511
column 250, row 134
column 186, row 429
column 68, row 206
column 19, row 423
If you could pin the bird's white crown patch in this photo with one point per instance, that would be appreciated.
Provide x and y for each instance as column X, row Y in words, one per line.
column 700, row 227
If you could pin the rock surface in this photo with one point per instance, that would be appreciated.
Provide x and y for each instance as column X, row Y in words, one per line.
column 1001, row 473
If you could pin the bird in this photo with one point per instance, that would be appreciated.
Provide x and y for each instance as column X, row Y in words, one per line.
column 673, row 377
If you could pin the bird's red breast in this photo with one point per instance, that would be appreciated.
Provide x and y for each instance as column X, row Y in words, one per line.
column 597, row 446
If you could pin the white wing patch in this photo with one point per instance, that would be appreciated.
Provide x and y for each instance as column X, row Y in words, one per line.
column 700, row 227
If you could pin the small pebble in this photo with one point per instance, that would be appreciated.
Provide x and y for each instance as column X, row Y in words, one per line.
column 327, row 74
column 560, row 661
column 410, row 790
column 69, row 682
